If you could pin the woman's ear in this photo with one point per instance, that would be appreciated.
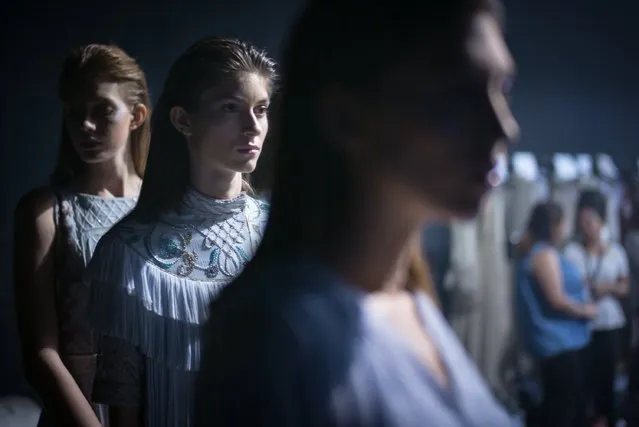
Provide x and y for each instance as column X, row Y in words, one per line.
column 181, row 120
column 140, row 114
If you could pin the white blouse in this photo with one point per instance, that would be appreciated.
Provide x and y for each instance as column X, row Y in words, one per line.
column 608, row 268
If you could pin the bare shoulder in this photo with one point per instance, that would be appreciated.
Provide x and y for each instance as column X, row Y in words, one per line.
column 34, row 211
column 35, row 202
column 544, row 258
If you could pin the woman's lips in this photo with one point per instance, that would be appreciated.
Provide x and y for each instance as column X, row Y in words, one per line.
column 249, row 149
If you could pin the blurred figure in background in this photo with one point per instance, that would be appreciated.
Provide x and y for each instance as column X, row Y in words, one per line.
column 552, row 314
column 105, row 140
column 603, row 266
column 390, row 120
column 631, row 406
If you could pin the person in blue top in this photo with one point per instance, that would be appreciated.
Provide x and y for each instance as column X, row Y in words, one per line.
column 553, row 315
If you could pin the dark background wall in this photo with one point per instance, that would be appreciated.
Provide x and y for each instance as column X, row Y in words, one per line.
column 577, row 89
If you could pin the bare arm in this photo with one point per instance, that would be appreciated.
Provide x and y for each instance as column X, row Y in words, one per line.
column 621, row 287
column 547, row 270
column 34, row 284
column 618, row 289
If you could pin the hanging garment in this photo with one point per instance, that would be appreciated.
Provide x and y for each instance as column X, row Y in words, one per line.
column 615, row 197
column 496, row 299
column 522, row 196
column 566, row 195
column 463, row 285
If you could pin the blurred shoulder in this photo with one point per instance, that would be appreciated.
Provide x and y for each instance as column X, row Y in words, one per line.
column 619, row 254
column 299, row 295
column 279, row 340
column 617, row 248
column 544, row 256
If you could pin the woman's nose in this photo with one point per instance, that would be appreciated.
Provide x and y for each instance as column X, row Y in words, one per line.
column 88, row 125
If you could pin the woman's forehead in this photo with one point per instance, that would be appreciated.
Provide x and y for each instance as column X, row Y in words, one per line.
column 589, row 211
column 92, row 91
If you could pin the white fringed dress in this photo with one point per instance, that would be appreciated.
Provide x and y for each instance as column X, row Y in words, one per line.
column 151, row 285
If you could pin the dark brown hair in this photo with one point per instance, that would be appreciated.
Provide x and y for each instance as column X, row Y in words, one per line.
column 543, row 218
column 314, row 195
column 98, row 63
column 202, row 66
column 595, row 200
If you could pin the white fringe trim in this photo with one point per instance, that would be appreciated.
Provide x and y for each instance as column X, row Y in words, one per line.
column 139, row 302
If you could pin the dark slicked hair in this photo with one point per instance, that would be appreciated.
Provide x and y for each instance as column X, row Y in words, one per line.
column 202, row 66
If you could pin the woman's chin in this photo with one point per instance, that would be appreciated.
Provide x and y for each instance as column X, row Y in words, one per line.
column 245, row 167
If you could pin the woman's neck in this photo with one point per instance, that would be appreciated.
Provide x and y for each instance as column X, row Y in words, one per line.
column 116, row 178
column 593, row 245
column 216, row 183
column 377, row 254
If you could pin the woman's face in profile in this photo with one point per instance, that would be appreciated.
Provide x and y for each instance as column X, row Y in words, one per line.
column 437, row 133
column 231, row 123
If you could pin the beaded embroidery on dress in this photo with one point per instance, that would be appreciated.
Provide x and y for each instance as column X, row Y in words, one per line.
column 206, row 240
column 151, row 286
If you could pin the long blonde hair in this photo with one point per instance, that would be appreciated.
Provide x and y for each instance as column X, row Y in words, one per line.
column 101, row 63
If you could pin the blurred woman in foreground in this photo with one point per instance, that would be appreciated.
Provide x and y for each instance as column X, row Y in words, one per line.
column 390, row 120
